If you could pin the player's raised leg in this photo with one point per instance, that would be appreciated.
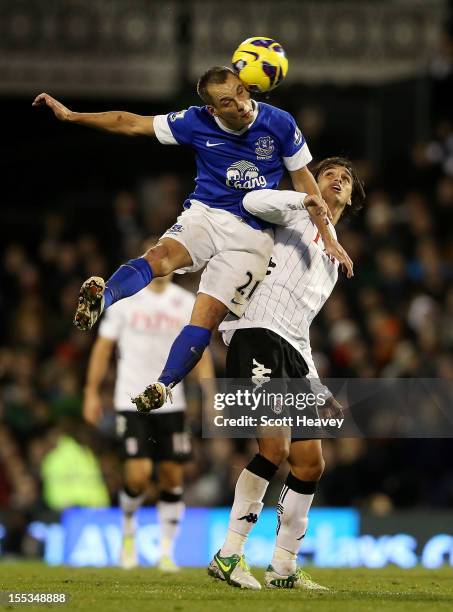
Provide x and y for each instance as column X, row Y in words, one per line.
column 96, row 295
column 228, row 281
column 294, row 503
column 137, row 473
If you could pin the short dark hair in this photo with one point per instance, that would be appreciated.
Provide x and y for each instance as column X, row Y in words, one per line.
column 358, row 188
column 215, row 75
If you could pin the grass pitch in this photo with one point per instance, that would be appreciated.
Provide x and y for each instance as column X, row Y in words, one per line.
column 112, row 589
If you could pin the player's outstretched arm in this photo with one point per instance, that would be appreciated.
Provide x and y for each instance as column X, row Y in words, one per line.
column 281, row 206
column 304, row 181
column 316, row 208
column 273, row 205
column 118, row 122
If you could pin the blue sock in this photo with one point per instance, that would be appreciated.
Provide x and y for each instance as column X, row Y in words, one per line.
column 127, row 280
column 185, row 353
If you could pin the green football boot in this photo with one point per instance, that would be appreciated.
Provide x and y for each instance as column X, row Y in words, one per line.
column 298, row 580
column 234, row 571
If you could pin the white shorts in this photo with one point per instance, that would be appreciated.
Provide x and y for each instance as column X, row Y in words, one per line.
column 235, row 255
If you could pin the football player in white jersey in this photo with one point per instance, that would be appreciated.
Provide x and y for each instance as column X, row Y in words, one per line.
column 273, row 337
column 241, row 145
column 142, row 328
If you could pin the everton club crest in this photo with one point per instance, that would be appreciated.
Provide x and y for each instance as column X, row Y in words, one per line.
column 264, row 147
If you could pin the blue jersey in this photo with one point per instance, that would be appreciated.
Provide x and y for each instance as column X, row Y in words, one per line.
column 230, row 163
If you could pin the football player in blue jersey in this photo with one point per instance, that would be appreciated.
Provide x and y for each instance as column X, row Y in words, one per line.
column 240, row 145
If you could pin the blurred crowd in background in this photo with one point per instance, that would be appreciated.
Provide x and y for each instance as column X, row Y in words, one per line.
column 393, row 319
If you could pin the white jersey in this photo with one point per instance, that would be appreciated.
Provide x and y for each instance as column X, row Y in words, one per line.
column 144, row 327
column 300, row 278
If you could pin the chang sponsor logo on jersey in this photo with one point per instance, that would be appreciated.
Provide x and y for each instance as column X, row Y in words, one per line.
column 244, row 175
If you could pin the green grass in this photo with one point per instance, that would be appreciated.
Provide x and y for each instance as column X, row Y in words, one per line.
column 112, row 589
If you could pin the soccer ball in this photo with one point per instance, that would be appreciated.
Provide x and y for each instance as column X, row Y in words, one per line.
column 260, row 63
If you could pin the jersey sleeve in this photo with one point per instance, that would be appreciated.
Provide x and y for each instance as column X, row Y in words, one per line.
column 281, row 207
column 175, row 128
column 112, row 322
column 296, row 153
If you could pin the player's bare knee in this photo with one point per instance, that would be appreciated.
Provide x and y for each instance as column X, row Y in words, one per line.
column 136, row 483
column 136, row 478
column 276, row 451
column 158, row 258
column 310, row 471
column 167, row 256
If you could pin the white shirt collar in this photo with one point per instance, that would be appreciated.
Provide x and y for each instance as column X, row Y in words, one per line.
column 244, row 129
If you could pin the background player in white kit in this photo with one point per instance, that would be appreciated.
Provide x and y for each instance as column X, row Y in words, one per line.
column 241, row 145
column 143, row 328
column 273, row 337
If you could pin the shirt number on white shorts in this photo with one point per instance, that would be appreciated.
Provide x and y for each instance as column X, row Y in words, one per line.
column 246, row 290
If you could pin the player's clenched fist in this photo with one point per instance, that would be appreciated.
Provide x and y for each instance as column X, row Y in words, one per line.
column 60, row 111
column 332, row 409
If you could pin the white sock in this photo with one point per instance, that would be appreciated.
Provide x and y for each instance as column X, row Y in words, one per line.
column 292, row 515
column 170, row 515
column 283, row 561
column 129, row 505
column 247, row 506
